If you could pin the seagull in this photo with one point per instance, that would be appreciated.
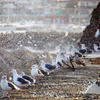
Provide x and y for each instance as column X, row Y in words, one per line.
column 45, row 73
column 57, row 64
column 18, row 80
column 29, row 78
column 83, row 49
column 35, row 72
column 97, row 34
column 73, row 57
column 79, row 60
column 54, row 61
column 46, row 66
column 96, row 48
column 7, row 86
column 89, row 51
column 79, row 55
column 58, row 60
column 65, row 60
column 73, row 53
column 71, row 60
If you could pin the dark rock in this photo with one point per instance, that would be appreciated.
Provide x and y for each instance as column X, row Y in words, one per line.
column 88, row 37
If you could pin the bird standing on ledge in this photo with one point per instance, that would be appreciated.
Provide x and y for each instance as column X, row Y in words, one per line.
column 18, row 80
column 7, row 86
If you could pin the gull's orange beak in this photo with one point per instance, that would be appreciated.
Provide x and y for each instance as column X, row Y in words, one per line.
column 54, row 54
column 10, row 72
column 30, row 68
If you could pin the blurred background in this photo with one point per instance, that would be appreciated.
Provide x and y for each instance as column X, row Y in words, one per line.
column 47, row 15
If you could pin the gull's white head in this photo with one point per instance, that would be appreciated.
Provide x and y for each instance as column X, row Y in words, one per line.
column 95, row 44
column 83, row 46
column 41, row 62
column 34, row 66
column 4, row 77
column 21, row 73
column 62, row 55
column 13, row 71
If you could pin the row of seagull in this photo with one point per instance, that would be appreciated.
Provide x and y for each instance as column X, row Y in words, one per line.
column 86, row 50
column 21, row 79
column 62, row 59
